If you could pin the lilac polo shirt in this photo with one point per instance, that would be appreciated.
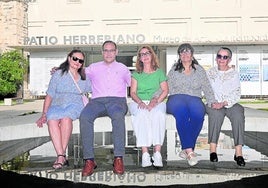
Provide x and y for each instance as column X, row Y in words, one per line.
column 108, row 80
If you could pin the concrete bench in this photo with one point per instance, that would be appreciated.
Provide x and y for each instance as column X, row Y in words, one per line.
column 255, row 124
column 103, row 124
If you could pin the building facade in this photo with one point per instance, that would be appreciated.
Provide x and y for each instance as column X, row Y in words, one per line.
column 56, row 27
column 13, row 23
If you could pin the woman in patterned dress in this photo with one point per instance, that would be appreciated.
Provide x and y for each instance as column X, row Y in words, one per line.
column 63, row 103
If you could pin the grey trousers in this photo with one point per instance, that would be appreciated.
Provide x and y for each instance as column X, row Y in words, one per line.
column 113, row 107
column 215, row 120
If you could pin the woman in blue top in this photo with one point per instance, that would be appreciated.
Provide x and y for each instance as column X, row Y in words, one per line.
column 148, row 111
column 63, row 103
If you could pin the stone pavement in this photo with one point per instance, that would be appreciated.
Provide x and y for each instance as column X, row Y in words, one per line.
column 20, row 113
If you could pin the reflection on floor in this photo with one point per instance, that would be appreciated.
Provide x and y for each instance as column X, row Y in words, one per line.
column 176, row 171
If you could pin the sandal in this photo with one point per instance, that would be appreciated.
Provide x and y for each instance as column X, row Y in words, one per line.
column 58, row 165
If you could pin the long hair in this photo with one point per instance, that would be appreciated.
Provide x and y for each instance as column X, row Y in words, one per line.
column 65, row 66
column 154, row 61
column 178, row 65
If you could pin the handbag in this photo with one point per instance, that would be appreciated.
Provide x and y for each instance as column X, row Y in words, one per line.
column 84, row 97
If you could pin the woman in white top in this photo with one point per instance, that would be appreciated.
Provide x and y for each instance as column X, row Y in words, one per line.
column 226, row 86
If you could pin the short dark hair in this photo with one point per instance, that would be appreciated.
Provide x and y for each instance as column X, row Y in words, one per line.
column 108, row 41
column 227, row 49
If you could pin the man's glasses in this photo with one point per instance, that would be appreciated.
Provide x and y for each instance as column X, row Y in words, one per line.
column 77, row 59
column 145, row 54
column 219, row 56
column 109, row 51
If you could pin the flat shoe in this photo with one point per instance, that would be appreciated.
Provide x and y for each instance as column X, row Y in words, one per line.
column 89, row 167
column 191, row 158
column 213, row 157
column 183, row 154
column 239, row 160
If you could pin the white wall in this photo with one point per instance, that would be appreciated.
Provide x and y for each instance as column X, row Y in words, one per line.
column 41, row 64
column 151, row 21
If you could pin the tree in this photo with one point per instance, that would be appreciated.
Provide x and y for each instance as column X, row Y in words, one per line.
column 13, row 66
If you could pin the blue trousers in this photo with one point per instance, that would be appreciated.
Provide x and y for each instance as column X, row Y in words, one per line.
column 113, row 107
column 189, row 112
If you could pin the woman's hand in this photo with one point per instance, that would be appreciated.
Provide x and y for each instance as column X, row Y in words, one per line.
column 41, row 121
column 142, row 105
column 218, row 105
column 152, row 104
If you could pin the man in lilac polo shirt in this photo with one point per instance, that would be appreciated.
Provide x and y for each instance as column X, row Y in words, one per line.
column 109, row 81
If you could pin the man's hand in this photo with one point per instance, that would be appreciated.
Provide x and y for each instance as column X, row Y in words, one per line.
column 53, row 70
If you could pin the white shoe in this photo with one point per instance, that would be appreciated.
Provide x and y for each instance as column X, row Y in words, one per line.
column 146, row 160
column 183, row 154
column 191, row 158
column 157, row 158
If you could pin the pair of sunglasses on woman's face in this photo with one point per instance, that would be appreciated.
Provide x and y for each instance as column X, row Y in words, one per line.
column 81, row 61
column 219, row 56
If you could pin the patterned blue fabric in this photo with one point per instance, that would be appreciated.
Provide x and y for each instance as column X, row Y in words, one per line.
column 66, row 98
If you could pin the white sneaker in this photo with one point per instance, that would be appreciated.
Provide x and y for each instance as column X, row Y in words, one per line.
column 146, row 160
column 191, row 158
column 157, row 158
column 183, row 154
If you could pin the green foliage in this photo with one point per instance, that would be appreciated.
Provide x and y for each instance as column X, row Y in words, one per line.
column 13, row 66
column 17, row 163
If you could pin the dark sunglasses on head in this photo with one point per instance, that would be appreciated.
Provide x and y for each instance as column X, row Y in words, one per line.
column 77, row 59
column 222, row 56
column 185, row 51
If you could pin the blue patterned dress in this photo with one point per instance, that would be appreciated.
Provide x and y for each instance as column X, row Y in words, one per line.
column 66, row 98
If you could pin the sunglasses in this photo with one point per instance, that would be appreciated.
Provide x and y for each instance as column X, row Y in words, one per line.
column 222, row 56
column 77, row 59
column 185, row 51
